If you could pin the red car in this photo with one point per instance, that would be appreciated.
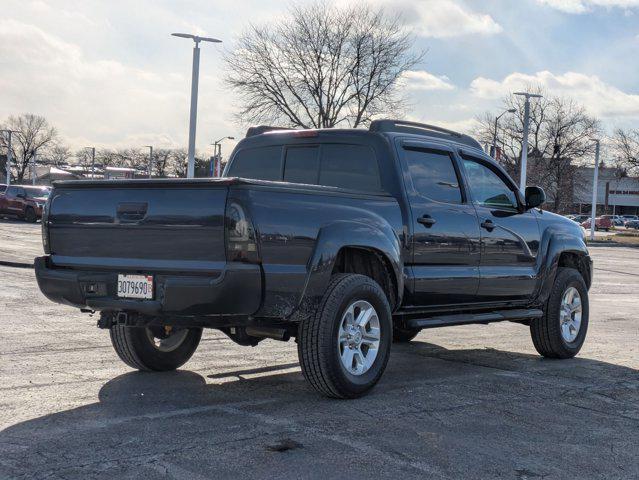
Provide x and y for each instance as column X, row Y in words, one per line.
column 601, row 223
column 24, row 201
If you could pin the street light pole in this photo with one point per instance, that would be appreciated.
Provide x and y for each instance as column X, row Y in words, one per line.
column 9, row 154
column 92, row 161
column 217, row 153
column 150, row 147
column 524, row 143
column 195, row 73
column 593, row 211
column 510, row 110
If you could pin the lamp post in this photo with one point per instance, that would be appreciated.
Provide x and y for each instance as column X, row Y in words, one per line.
column 595, row 179
column 92, row 161
column 9, row 153
column 217, row 155
column 524, row 143
column 194, row 86
column 510, row 110
column 150, row 147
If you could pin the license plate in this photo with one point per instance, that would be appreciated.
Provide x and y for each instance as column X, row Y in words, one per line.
column 135, row 286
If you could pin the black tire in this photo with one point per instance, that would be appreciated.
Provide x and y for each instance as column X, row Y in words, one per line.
column 135, row 348
column 30, row 215
column 318, row 347
column 546, row 331
column 404, row 335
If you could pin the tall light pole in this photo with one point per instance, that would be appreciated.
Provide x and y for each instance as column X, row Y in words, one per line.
column 9, row 153
column 510, row 110
column 92, row 161
column 194, row 84
column 150, row 147
column 593, row 211
column 524, row 143
column 217, row 153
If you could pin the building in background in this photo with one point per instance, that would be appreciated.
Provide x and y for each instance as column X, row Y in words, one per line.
column 616, row 194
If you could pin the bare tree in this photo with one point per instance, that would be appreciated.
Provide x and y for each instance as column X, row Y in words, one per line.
column 626, row 146
column 33, row 135
column 58, row 155
column 562, row 134
column 321, row 66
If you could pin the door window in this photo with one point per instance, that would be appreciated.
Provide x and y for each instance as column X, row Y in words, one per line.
column 433, row 174
column 487, row 186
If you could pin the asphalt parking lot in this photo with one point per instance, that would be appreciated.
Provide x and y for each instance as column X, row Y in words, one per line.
column 459, row 402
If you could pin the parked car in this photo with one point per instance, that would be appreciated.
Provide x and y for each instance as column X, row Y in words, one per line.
column 580, row 218
column 601, row 223
column 346, row 239
column 24, row 201
column 633, row 224
column 628, row 218
column 617, row 221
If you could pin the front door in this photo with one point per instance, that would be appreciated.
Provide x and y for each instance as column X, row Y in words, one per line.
column 445, row 232
column 509, row 235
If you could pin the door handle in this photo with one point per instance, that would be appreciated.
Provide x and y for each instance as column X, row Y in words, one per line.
column 131, row 212
column 488, row 224
column 426, row 220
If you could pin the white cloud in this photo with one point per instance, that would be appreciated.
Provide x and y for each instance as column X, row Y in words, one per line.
column 424, row 81
column 583, row 6
column 444, row 18
column 98, row 102
column 600, row 98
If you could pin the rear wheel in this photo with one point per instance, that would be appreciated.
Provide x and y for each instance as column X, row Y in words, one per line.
column 344, row 347
column 155, row 348
column 30, row 215
column 561, row 332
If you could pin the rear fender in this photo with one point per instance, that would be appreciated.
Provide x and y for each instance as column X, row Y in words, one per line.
column 340, row 234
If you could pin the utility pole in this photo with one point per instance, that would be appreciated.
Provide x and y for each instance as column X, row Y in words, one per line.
column 524, row 143
column 33, row 169
column 593, row 212
column 150, row 147
column 9, row 154
column 510, row 110
column 195, row 73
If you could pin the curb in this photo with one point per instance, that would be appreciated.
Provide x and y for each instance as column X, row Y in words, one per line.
column 611, row 244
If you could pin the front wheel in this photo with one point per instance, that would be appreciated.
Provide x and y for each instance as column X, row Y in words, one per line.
column 561, row 332
column 30, row 215
column 156, row 348
column 344, row 347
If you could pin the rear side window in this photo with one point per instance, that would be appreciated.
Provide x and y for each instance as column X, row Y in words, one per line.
column 433, row 174
column 302, row 165
column 349, row 166
column 262, row 163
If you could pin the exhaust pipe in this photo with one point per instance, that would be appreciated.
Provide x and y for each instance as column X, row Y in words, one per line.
column 266, row 332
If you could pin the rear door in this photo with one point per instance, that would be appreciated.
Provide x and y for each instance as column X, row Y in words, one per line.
column 509, row 236
column 445, row 232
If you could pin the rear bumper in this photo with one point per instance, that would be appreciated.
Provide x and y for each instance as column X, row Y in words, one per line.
column 237, row 290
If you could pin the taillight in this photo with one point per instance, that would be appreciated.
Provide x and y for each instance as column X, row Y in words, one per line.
column 45, row 227
column 240, row 235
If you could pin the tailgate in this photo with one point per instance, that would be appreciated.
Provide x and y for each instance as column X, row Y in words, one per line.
column 150, row 227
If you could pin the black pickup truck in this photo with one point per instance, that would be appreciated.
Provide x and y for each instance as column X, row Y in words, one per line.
column 347, row 240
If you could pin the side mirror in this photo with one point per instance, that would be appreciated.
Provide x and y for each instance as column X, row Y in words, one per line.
column 535, row 196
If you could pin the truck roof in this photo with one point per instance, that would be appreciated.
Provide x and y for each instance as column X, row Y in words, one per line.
column 387, row 127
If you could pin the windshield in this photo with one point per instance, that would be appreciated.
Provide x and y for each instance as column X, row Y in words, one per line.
column 36, row 192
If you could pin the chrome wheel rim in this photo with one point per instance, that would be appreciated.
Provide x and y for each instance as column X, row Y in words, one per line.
column 168, row 342
column 570, row 314
column 358, row 337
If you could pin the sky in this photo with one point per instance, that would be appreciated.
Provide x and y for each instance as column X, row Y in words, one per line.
column 108, row 74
